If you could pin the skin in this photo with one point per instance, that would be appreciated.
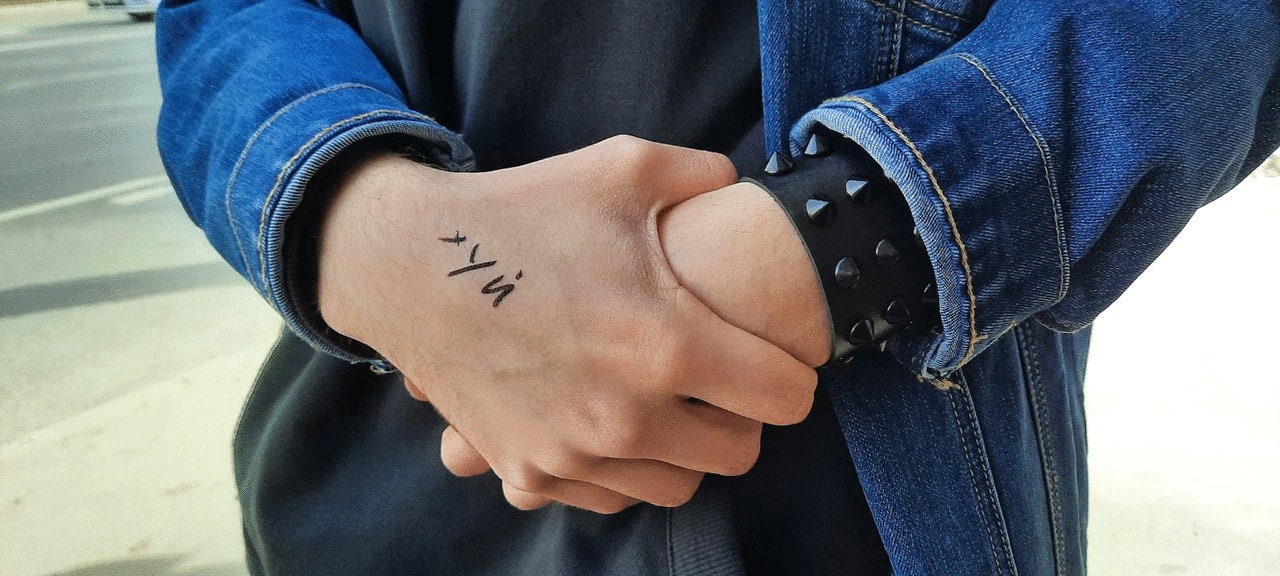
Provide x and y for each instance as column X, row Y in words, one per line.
column 647, row 280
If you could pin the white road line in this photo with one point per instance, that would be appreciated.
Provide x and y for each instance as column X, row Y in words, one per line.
column 79, row 77
column 144, row 195
column 75, row 40
column 81, row 198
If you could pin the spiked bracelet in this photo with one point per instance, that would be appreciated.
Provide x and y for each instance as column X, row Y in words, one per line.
column 875, row 273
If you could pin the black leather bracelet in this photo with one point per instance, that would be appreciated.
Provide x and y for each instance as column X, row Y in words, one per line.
column 875, row 273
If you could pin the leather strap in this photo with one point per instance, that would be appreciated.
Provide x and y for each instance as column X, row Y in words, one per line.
column 875, row 273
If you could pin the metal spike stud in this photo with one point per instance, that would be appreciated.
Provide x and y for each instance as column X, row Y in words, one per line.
column 820, row 210
column 930, row 294
column 857, row 190
column 847, row 273
column 863, row 333
column 779, row 164
column 897, row 313
column 887, row 254
column 817, row 147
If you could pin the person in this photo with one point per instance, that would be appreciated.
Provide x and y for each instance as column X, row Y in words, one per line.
column 623, row 333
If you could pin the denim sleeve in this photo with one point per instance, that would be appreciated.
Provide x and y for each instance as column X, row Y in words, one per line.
column 258, row 95
column 1050, row 155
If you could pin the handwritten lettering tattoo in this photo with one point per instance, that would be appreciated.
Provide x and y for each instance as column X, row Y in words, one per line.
column 494, row 286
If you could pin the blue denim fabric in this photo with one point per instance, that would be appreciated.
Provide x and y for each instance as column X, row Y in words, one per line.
column 246, row 123
column 1049, row 151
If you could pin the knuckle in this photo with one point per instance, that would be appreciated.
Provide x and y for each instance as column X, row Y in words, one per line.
column 523, row 501
column 619, row 437
column 720, row 167
column 528, row 478
column 794, row 401
column 742, row 458
column 564, row 464
column 627, row 151
column 681, row 493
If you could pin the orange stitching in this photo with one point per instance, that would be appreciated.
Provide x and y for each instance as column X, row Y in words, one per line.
column 1043, row 149
column 946, row 208
column 262, row 222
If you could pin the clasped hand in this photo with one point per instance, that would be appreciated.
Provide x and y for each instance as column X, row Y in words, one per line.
column 599, row 328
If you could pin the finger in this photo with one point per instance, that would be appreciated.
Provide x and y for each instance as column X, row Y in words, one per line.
column 523, row 500
column 704, row 438
column 459, row 456
column 740, row 372
column 570, row 492
column 414, row 391
column 651, row 481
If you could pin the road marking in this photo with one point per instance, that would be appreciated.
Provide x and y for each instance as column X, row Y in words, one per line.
column 89, row 125
column 81, row 198
column 144, row 195
column 74, row 40
column 79, row 77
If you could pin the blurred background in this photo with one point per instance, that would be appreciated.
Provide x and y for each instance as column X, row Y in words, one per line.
column 127, row 346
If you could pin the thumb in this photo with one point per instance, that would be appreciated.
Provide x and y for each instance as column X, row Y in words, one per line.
column 668, row 174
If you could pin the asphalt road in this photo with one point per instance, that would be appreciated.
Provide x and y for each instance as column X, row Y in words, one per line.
column 127, row 347
column 126, row 344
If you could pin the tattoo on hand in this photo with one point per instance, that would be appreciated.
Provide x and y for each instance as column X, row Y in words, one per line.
column 494, row 286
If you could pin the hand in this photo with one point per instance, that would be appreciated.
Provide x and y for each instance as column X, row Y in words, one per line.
column 737, row 251
column 568, row 361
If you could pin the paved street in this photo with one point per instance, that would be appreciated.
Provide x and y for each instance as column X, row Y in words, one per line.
column 127, row 347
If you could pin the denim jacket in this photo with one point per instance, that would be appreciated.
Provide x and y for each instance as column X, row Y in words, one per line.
column 1049, row 151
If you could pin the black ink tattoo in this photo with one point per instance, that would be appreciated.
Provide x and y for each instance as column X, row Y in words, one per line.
column 457, row 239
column 473, row 267
column 501, row 291
column 493, row 287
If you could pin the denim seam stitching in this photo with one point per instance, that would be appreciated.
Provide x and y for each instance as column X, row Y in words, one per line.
column 946, row 208
column 253, row 139
column 983, row 497
column 988, row 477
column 288, row 166
column 931, row 28
column 1048, row 463
column 881, row 51
column 1050, row 319
column 958, row 18
column 1064, row 270
column 896, row 58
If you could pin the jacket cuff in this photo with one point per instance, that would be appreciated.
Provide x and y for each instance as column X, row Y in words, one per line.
column 978, row 180
column 295, row 143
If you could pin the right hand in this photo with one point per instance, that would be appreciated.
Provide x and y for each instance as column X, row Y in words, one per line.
column 577, row 385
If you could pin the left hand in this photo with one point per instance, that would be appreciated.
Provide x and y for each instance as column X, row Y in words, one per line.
column 736, row 250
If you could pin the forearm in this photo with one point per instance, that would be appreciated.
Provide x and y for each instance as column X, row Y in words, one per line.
column 258, row 96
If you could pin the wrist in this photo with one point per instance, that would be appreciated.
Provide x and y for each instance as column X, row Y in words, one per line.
column 368, row 198
column 856, row 226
